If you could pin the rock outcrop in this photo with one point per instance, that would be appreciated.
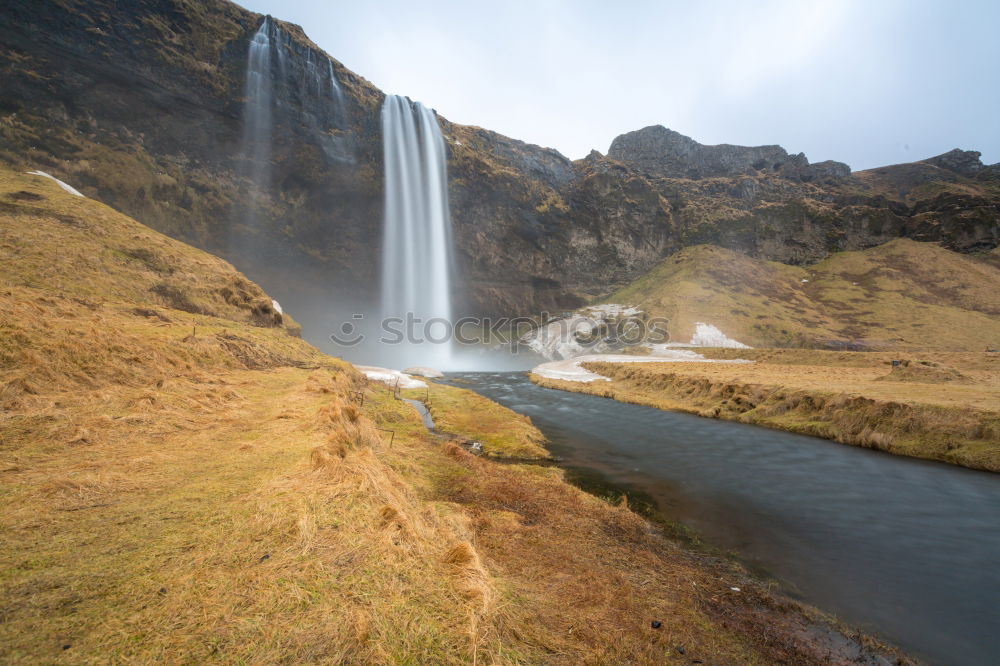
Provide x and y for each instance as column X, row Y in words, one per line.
column 964, row 162
column 664, row 152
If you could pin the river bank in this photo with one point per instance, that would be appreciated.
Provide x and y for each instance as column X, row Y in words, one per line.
column 936, row 406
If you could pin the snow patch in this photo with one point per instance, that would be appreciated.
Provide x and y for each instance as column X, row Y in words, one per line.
column 612, row 310
column 557, row 339
column 390, row 377
column 69, row 188
column 424, row 371
column 705, row 335
column 570, row 370
column 560, row 339
column 277, row 306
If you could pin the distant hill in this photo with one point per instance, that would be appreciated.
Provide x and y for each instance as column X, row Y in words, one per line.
column 902, row 294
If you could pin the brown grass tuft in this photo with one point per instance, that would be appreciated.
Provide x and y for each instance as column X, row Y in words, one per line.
column 453, row 450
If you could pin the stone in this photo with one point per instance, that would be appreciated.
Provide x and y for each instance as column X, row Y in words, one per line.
column 965, row 162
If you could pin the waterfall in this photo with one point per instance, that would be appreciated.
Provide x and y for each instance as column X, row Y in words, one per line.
column 335, row 90
column 290, row 89
column 336, row 142
column 257, row 121
column 416, row 254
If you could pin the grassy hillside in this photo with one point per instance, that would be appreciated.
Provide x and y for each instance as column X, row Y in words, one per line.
column 900, row 295
column 182, row 480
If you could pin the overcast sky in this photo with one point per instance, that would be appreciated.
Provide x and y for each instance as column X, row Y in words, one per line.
column 864, row 82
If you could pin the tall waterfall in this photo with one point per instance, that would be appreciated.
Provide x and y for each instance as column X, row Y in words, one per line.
column 257, row 121
column 416, row 255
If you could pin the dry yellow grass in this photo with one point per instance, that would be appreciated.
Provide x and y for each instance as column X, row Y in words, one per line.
column 192, row 487
column 190, row 536
column 900, row 295
column 80, row 248
column 851, row 397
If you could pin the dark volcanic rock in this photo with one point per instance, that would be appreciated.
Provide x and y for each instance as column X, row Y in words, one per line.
column 665, row 152
column 965, row 162
column 830, row 169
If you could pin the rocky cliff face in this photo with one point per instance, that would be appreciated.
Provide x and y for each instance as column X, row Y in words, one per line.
column 139, row 103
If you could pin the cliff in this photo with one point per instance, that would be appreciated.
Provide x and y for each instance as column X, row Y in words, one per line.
column 140, row 105
column 671, row 154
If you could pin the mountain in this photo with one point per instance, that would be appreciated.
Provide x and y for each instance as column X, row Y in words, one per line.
column 668, row 153
column 140, row 104
column 899, row 295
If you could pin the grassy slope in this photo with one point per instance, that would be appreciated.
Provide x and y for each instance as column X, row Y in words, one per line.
column 902, row 295
column 184, row 481
column 941, row 406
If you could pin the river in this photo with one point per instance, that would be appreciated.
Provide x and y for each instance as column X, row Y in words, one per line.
column 905, row 549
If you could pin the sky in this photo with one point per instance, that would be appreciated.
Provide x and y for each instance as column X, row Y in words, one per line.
column 866, row 82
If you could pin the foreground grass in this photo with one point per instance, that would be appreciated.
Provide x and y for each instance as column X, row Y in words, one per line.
column 938, row 405
column 192, row 484
column 213, row 537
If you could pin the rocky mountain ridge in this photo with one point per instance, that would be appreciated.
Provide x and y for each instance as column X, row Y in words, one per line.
column 671, row 154
column 139, row 104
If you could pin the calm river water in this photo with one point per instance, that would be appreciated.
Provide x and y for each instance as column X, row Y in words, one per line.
column 909, row 550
